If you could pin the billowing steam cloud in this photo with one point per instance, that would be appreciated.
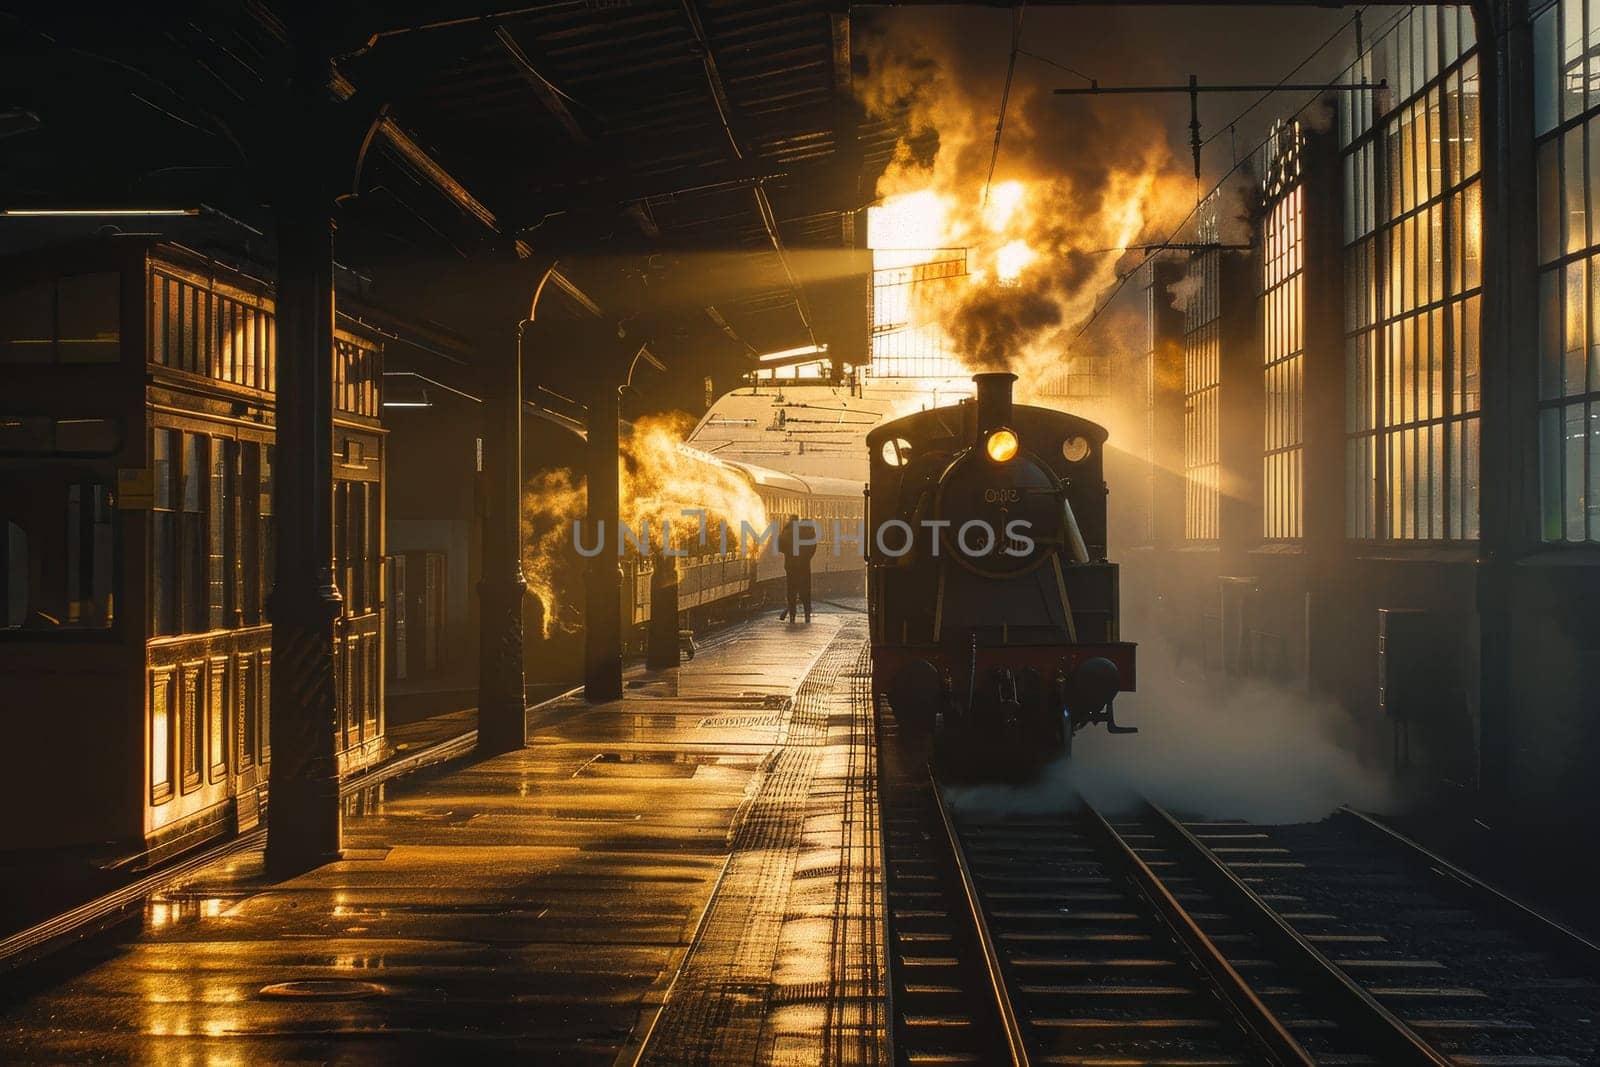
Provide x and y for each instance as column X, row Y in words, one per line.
column 1072, row 187
column 660, row 480
column 1244, row 749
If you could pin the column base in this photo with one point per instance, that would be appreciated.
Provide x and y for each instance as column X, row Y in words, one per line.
column 502, row 726
column 502, row 709
column 301, row 835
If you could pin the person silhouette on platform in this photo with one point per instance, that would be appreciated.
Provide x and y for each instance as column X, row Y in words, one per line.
column 798, row 543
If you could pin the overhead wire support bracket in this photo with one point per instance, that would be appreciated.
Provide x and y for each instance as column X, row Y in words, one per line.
column 1194, row 89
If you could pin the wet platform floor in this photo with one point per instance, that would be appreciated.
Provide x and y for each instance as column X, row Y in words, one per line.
column 663, row 878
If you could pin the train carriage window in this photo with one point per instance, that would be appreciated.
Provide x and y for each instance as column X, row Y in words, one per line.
column 374, row 543
column 356, row 545
column 249, row 541
column 269, row 351
column 341, row 540
column 43, row 435
column 188, row 337
column 227, row 351
column 170, row 320
column 88, row 437
column 192, row 534
column 88, row 555
column 26, row 433
column 341, row 361
column 161, row 694
column 88, row 318
column 164, row 534
column 218, row 500
column 242, row 339
column 27, row 324
column 268, row 545
column 57, row 555
column 72, row 319
column 158, row 318
column 13, row 576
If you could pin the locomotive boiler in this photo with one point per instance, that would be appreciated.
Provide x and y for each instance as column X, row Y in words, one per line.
column 993, row 607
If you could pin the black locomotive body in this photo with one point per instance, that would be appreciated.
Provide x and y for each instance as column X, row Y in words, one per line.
column 993, row 608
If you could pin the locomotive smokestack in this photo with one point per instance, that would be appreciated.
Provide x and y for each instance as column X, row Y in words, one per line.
column 994, row 399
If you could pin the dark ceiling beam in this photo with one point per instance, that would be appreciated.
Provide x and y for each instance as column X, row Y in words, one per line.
column 769, row 220
column 550, row 97
column 1140, row 3
column 554, row 101
column 457, row 193
column 844, row 117
column 450, row 16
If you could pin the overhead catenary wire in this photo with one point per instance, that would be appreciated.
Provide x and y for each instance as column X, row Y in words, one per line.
column 1075, row 72
column 1354, row 20
column 1005, row 96
column 1189, row 217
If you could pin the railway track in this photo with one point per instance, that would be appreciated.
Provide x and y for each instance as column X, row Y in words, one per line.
column 1073, row 938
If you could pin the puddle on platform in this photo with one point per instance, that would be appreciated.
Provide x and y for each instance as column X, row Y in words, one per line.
column 653, row 764
column 325, row 989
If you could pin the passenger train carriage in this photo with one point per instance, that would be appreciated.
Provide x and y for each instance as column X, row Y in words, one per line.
column 708, row 577
column 136, row 544
column 993, row 609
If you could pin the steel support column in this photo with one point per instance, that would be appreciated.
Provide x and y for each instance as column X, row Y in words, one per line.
column 1509, row 472
column 502, row 707
column 1327, row 555
column 602, row 637
column 304, row 823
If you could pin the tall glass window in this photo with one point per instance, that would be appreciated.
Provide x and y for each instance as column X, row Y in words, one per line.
column 1413, row 281
column 1202, row 362
column 1567, row 116
column 1283, row 336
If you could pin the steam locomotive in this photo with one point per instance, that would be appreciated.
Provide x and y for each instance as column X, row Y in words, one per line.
column 993, row 609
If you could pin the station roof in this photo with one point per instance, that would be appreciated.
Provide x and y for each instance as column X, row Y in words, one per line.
column 717, row 137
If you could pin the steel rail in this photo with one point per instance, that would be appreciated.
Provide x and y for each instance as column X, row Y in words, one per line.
column 1396, row 1043
column 1016, row 1046
column 1556, row 936
column 886, row 960
column 1259, row 1021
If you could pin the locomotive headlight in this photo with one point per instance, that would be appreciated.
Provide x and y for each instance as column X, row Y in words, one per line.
column 1002, row 445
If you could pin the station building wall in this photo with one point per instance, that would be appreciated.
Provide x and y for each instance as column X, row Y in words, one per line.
column 1305, row 497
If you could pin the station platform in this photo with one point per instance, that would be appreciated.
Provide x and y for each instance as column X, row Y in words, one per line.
column 688, row 874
